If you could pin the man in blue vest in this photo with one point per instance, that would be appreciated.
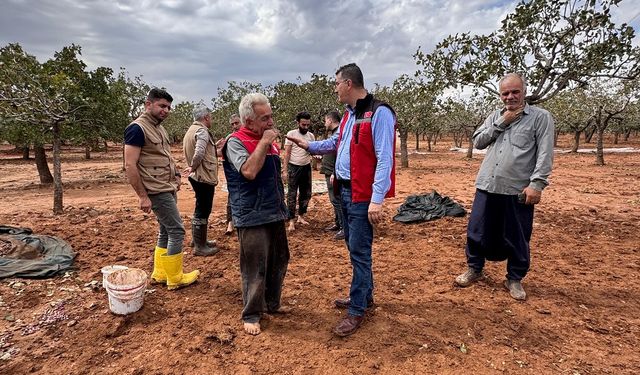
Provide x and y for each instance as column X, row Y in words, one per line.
column 253, row 171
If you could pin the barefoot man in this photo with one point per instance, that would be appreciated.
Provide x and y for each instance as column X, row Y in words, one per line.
column 253, row 172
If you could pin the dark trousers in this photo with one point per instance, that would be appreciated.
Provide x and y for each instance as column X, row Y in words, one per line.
column 204, row 198
column 499, row 228
column 335, row 202
column 299, row 179
column 264, row 257
column 229, row 216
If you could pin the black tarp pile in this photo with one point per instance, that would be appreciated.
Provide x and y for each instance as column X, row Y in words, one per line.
column 24, row 254
column 426, row 207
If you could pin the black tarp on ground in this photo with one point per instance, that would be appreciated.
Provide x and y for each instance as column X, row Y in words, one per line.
column 426, row 207
column 23, row 254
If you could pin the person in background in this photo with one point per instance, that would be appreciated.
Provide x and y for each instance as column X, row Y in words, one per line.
column 297, row 171
column 201, row 154
column 234, row 121
column 331, row 122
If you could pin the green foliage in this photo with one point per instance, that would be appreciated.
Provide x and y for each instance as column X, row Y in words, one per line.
column 555, row 44
column 314, row 96
column 226, row 104
column 179, row 120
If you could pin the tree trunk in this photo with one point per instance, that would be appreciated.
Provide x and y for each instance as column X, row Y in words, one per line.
column 627, row 133
column 25, row 152
column 417, row 141
column 429, row 139
column 576, row 141
column 588, row 134
column 41, row 163
column 616, row 136
column 57, row 171
column 404, row 155
column 599, row 146
column 87, row 152
column 470, row 146
column 555, row 138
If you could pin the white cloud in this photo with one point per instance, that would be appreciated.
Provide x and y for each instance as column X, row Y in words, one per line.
column 192, row 47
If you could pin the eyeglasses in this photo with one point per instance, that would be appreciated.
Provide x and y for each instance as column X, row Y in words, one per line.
column 235, row 123
column 337, row 83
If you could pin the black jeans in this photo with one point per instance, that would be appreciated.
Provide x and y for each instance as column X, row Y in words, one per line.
column 299, row 179
column 264, row 258
column 335, row 202
column 204, row 198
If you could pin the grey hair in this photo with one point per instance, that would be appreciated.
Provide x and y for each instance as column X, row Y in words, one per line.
column 200, row 112
column 235, row 115
column 514, row 75
column 248, row 102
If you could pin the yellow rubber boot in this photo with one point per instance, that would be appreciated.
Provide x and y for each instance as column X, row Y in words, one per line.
column 173, row 267
column 158, row 276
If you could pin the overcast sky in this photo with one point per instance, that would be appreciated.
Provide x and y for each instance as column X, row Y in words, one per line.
column 192, row 47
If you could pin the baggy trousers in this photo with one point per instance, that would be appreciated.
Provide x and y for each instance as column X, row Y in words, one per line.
column 299, row 179
column 264, row 257
column 499, row 228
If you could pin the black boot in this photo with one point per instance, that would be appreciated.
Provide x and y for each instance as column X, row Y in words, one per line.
column 201, row 246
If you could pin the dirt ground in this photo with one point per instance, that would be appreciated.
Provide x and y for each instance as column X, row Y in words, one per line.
column 582, row 315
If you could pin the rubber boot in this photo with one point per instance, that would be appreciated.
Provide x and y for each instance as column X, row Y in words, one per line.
column 175, row 277
column 201, row 247
column 158, row 276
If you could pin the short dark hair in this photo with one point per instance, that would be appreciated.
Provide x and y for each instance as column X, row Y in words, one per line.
column 303, row 115
column 353, row 73
column 157, row 94
column 333, row 115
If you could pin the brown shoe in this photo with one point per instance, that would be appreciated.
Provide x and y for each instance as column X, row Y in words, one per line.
column 344, row 303
column 348, row 325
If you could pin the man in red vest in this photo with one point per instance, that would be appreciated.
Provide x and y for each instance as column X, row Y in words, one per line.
column 365, row 175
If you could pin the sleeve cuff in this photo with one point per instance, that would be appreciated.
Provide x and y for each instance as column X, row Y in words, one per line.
column 377, row 198
column 537, row 185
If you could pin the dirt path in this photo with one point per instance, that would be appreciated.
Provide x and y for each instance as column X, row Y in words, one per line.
column 581, row 316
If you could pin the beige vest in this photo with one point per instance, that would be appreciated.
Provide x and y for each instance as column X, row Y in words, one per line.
column 156, row 165
column 207, row 171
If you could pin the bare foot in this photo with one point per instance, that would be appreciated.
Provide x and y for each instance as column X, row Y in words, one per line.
column 291, row 227
column 252, row 328
column 302, row 221
column 229, row 228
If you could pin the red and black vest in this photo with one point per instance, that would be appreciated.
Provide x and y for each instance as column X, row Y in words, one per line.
column 363, row 159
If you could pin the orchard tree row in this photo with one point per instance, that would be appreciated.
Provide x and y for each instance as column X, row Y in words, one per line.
column 577, row 62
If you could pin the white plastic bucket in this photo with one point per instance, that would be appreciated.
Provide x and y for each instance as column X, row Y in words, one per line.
column 126, row 290
column 108, row 270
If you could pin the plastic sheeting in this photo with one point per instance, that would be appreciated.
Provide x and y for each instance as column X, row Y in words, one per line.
column 24, row 254
column 427, row 207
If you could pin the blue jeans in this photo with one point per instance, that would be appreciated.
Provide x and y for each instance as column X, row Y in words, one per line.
column 358, row 234
column 171, row 233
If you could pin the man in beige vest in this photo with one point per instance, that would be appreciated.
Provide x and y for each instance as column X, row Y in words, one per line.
column 152, row 173
column 201, row 152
